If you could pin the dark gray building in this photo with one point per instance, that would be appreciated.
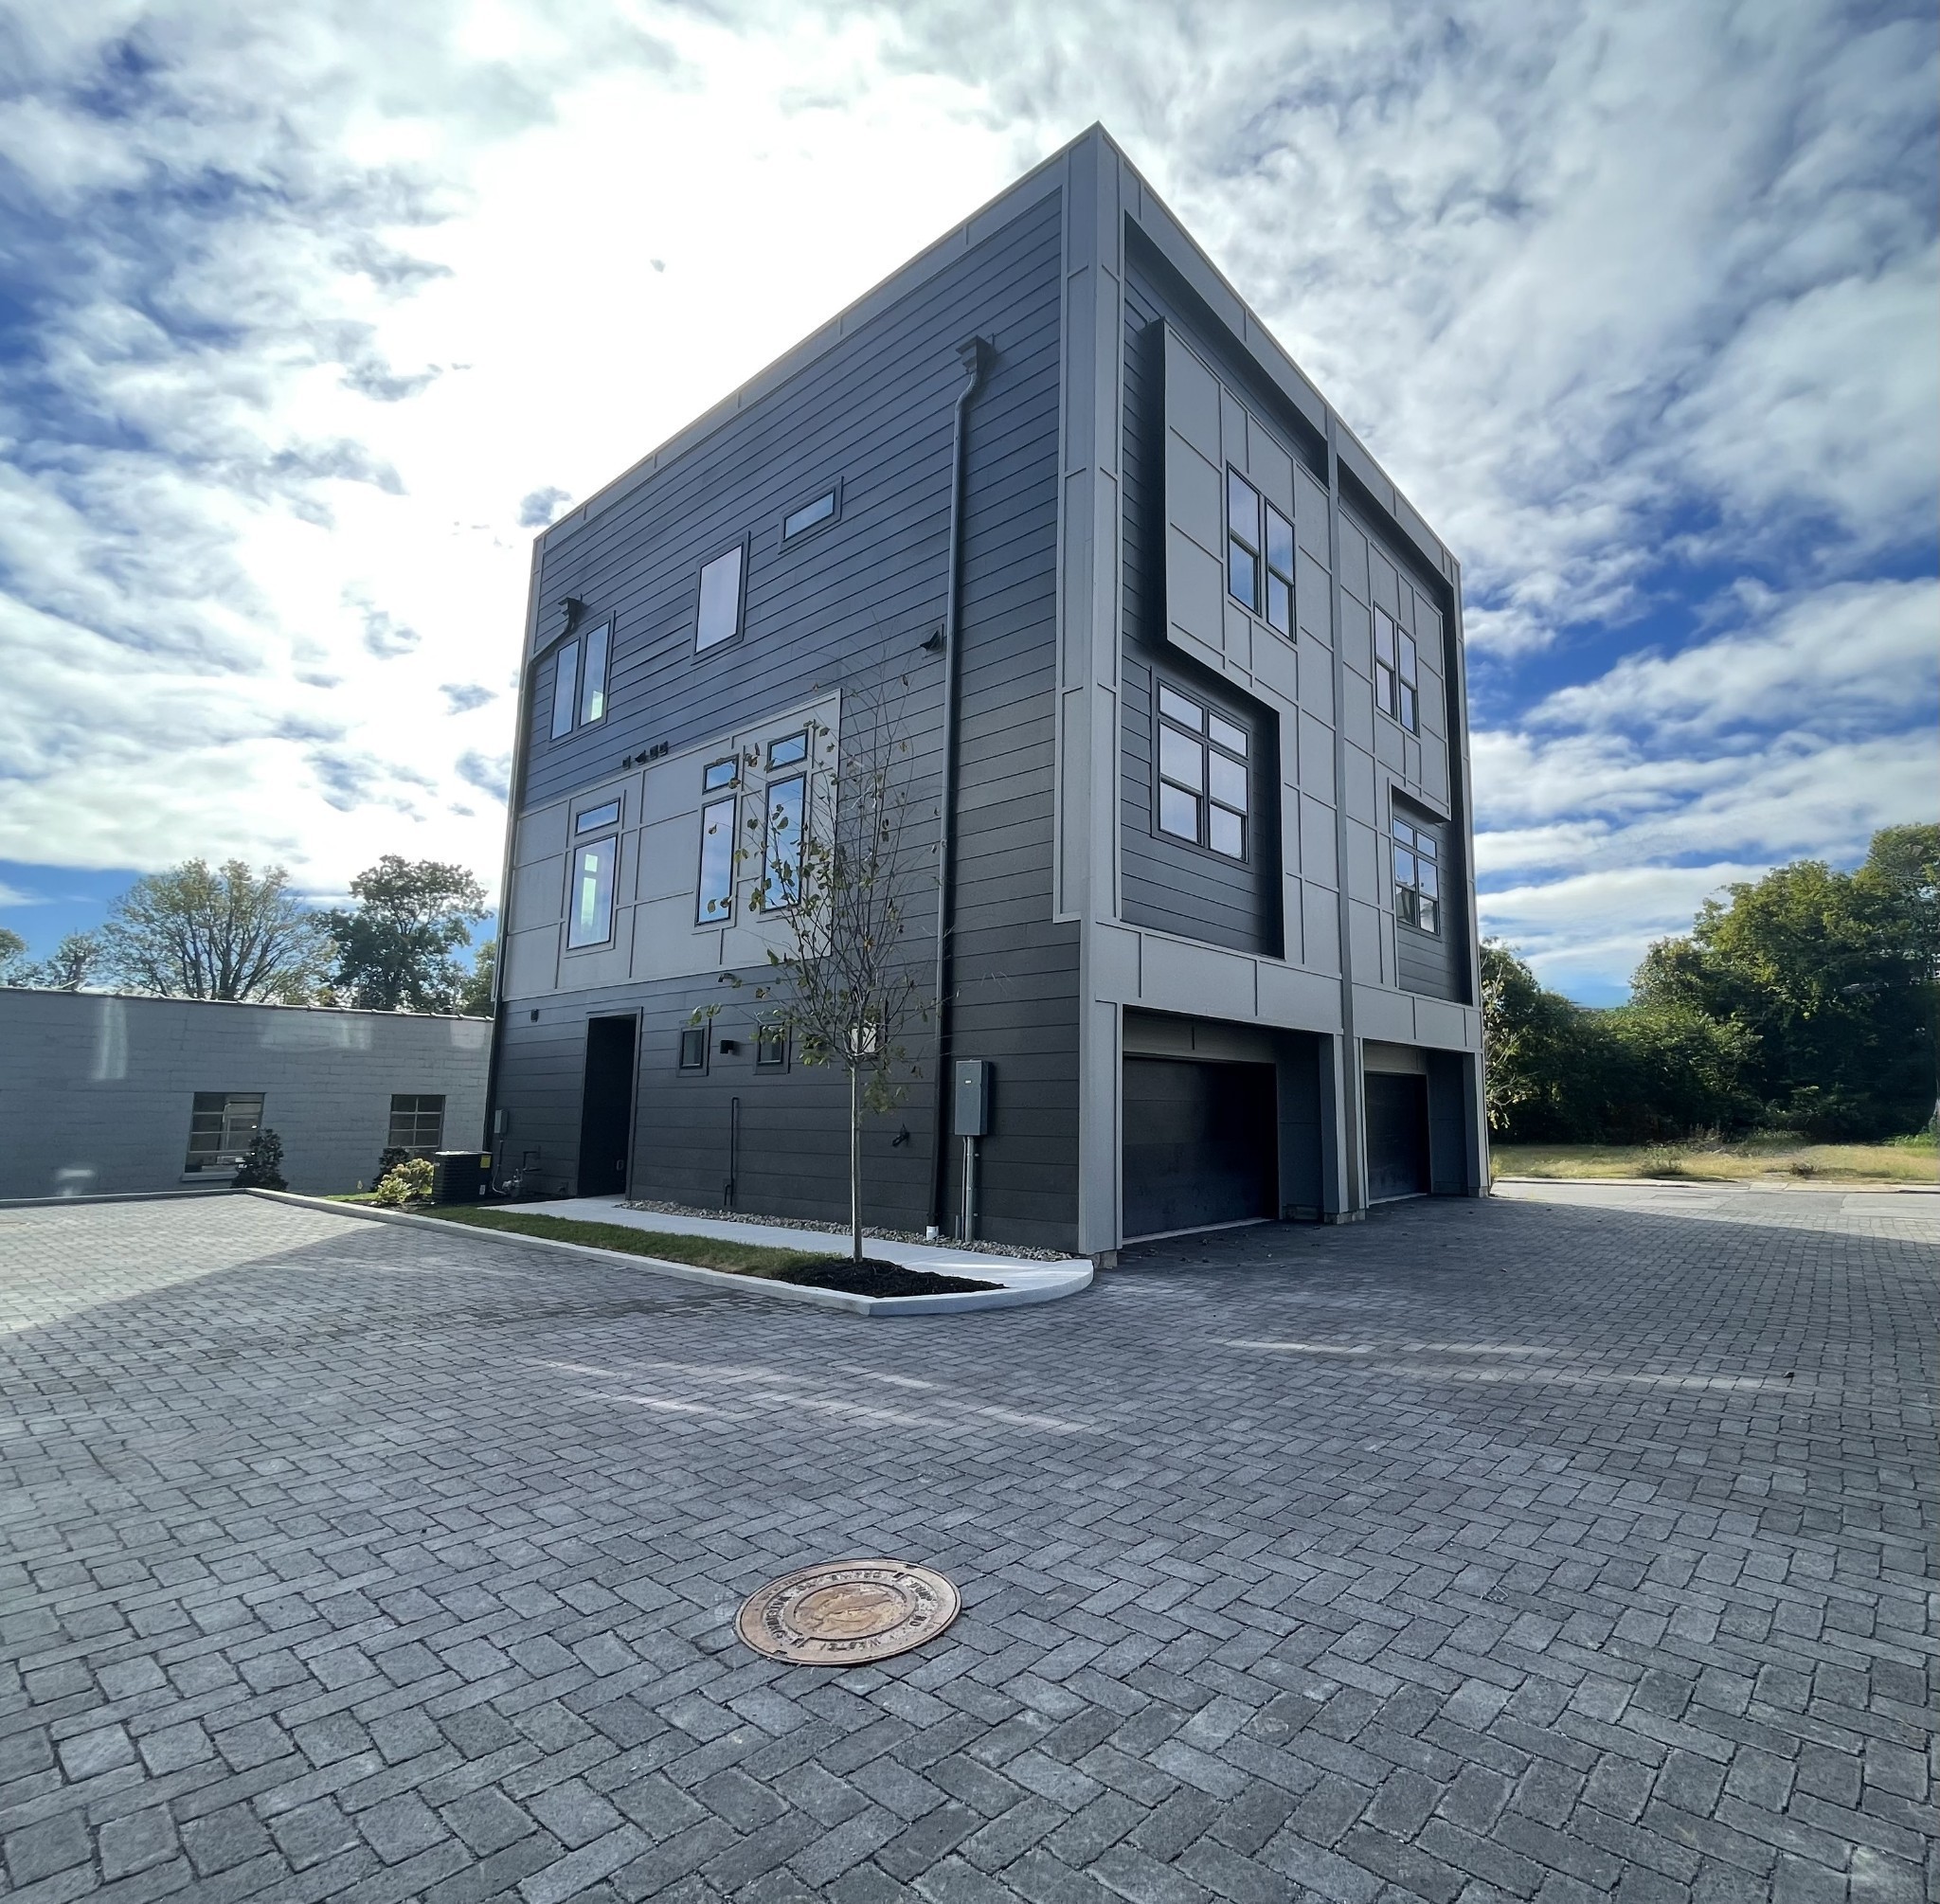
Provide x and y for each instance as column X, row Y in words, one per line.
column 1214, row 923
column 104, row 1092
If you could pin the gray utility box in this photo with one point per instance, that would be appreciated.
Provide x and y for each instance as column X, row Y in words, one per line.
column 460, row 1176
column 970, row 1098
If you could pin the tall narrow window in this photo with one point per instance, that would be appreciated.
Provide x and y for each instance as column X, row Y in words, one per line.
column 1384, row 661
column 1417, row 875
column 1279, row 571
column 222, row 1127
column 719, row 618
column 781, row 851
column 1409, row 710
column 715, row 900
column 589, row 917
column 1202, row 775
column 593, row 677
column 1242, row 540
column 566, row 688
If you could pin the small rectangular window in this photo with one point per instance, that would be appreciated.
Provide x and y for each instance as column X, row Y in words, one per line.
column 719, row 615
column 590, row 918
column 720, row 774
column 1279, row 571
column 772, row 1048
column 781, row 845
column 1242, row 540
column 1407, row 706
column 787, row 752
column 593, row 677
column 417, row 1124
column 596, row 816
column 1181, row 760
column 1175, row 706
column 810, row 515
column 693, row 1047
column 715, row 902
column 566, row 688
column 222, row 1127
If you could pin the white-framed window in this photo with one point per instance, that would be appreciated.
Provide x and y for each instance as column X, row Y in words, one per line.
column 1202, row 778
column 589, row 898
column 1259, row 554
column 222, row 1127
column 1396, row 673
column 718, row 616
column 1417, row 875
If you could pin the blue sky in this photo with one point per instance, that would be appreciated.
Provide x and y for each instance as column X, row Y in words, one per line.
column 306, row 314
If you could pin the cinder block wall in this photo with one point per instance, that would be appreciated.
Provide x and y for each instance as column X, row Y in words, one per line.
column 97, row 1090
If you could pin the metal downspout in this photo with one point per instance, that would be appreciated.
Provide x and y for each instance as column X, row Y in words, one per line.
column 976, row 353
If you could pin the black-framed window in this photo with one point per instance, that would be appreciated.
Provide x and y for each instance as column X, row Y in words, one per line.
column 222, row 1127
column 417, row 1122
column 589, row 899
column 717, row 618
column 714, row 895
column 781, row 841
column 1259, row 554
column 772, row 1048
column 1203, row 790
column 1417, row 875
column 596, row 817
column 579, row 681
column 790, row 750
column 818, row 513
column 1396, row 673
column 693, row 1047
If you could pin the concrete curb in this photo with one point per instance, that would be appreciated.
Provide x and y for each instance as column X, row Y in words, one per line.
column 116, row 1196
column 957, row 1302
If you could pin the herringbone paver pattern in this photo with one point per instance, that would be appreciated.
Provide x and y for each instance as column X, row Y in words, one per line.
column 1554, row 1551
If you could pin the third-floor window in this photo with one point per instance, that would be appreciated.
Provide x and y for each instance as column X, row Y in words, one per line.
column 1202, row 775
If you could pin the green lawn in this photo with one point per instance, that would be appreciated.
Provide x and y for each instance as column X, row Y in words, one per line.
column 1909, row 1160
column 705, row 1252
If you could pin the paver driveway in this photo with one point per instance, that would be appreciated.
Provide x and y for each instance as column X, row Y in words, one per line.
column 1550, row 1549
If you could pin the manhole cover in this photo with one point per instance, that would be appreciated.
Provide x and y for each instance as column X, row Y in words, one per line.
column 847, row 1612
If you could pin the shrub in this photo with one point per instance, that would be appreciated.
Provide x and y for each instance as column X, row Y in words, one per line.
column 395, row 1155
column 407, row 1182
column 262, row 1164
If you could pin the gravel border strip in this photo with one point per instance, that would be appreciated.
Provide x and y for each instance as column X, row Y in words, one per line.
column 1021, row 1251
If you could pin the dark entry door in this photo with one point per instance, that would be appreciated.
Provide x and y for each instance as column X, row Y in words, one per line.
column 606, row 1111
column 1201, row 1144
column 1397, row 1135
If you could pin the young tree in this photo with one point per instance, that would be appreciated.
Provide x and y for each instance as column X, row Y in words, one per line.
column 394, row 952
column 12, row 957
column 840, row 882
column 196, row 933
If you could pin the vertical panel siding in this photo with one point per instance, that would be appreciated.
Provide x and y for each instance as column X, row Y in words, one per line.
column 844, row 606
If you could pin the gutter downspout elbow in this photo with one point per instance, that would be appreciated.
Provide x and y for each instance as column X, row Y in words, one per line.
column 977, row 354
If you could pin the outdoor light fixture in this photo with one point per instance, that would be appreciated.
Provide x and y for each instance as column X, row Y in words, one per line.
column 574, row 608
column 935, row 644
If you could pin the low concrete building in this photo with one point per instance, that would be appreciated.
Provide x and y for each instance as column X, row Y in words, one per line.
column 105, row 1091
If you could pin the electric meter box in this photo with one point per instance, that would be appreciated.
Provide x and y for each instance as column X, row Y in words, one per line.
column 970, row 1099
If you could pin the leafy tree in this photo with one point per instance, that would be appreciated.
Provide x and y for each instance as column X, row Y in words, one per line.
column 1669, row 1069
column 73, row 962
column 12, row 957
column 196, row 933
column 394, row 952
column 475, row 994
column 262, row 1164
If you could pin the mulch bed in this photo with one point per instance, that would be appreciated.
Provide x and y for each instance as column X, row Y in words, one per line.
column 874, row 1277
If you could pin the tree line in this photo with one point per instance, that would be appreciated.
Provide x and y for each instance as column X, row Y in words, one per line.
column 229, row 932
column 1806, row 1001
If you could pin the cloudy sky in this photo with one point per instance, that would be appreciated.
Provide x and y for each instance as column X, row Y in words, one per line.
column 309, row 313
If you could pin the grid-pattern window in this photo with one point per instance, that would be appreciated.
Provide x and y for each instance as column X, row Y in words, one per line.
column 772, row 1048
column 714, row 901
column 1202, row 775
column 1417, row 875
column 1259, row 554
column 417, row 1124
column 719, row 615
column 1396, row 674
column 222, row 1127
column 589, row 899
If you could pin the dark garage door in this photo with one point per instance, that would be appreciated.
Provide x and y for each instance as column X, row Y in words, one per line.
column 1397, row 1135
column 1200, row 1144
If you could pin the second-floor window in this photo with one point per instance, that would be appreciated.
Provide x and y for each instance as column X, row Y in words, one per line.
column 579, row 681
column 718, row 618
column 1417, row 875
column 1396, row 675
column 1259, row 554
column 720, row 804
column 1202, row 775
column 589, row 901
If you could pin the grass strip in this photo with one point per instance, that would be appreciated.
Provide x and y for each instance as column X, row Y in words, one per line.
column 703, row 1252
column 1748, row 1160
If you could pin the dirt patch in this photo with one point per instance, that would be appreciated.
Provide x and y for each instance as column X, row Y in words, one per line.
column 874, row 1277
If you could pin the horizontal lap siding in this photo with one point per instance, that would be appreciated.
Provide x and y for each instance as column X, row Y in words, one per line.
column 834, row 610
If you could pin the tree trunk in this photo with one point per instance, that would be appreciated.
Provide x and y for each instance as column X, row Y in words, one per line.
column 855, row 1157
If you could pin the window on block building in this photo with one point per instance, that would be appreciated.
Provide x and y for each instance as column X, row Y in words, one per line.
column 222, row 1127
column 417, row 1124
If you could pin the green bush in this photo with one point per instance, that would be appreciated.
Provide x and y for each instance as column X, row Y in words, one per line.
column 407, row 1182
column 262, row 1164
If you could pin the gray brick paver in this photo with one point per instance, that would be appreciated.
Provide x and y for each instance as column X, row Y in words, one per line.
column 325, row 1575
